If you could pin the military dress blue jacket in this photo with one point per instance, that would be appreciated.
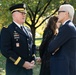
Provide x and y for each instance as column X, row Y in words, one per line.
column 17, row 47
column 63, row 51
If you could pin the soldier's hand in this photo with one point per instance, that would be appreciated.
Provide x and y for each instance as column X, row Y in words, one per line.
column 28, row 65
column 33, row 62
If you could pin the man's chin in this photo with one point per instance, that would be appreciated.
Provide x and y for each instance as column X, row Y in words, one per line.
column 59, row 21
column 23, row 21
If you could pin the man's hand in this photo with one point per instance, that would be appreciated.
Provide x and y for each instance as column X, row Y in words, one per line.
column 33, row 62
column 28, row 65
column 38, row 59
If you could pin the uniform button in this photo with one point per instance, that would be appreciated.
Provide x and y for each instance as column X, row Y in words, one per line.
column 29, row 49
column 28, row 44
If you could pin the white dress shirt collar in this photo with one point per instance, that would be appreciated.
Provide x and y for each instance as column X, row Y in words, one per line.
column 17, row 24
column 65, row 21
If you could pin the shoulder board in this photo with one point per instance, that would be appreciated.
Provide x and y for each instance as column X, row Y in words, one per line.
column 4, row 27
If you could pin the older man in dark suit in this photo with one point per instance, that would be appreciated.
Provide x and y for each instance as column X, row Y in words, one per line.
column 63, row 47
column 17, row 45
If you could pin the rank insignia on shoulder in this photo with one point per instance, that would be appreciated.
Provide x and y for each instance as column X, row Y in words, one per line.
column 5, row 26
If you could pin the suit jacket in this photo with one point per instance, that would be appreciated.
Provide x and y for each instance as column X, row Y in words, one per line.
column 17, row 47
column 63, row 62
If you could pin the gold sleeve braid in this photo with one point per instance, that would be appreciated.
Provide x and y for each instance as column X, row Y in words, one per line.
column 15, row 61
column 12, row 59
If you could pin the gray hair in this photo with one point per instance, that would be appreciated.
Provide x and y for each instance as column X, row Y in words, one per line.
column 70, row 9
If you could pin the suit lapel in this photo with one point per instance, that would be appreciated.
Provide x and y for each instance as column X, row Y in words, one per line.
column 67, row 22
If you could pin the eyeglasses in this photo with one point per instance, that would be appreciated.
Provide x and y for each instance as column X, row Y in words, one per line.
column 61, row 11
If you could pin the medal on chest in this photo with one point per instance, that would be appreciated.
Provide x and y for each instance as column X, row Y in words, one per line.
column 16, row 37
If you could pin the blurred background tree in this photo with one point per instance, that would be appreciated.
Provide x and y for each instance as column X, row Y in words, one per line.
column 38, row 11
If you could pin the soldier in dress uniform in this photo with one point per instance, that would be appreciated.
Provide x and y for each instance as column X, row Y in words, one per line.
column 17, row 44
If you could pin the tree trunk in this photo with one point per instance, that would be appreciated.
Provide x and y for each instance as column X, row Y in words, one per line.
column 33, row 33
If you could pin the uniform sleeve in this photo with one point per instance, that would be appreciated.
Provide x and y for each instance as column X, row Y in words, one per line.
column 6, row 48
column 33, row 52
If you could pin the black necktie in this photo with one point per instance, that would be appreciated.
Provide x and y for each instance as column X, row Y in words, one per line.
column 24, row 30
column 21, row 28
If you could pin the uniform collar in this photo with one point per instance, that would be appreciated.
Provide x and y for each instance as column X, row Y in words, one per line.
column 17, row 24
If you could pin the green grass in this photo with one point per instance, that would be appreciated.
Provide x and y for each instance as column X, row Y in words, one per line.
column 36, row 69
column 2, row 65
